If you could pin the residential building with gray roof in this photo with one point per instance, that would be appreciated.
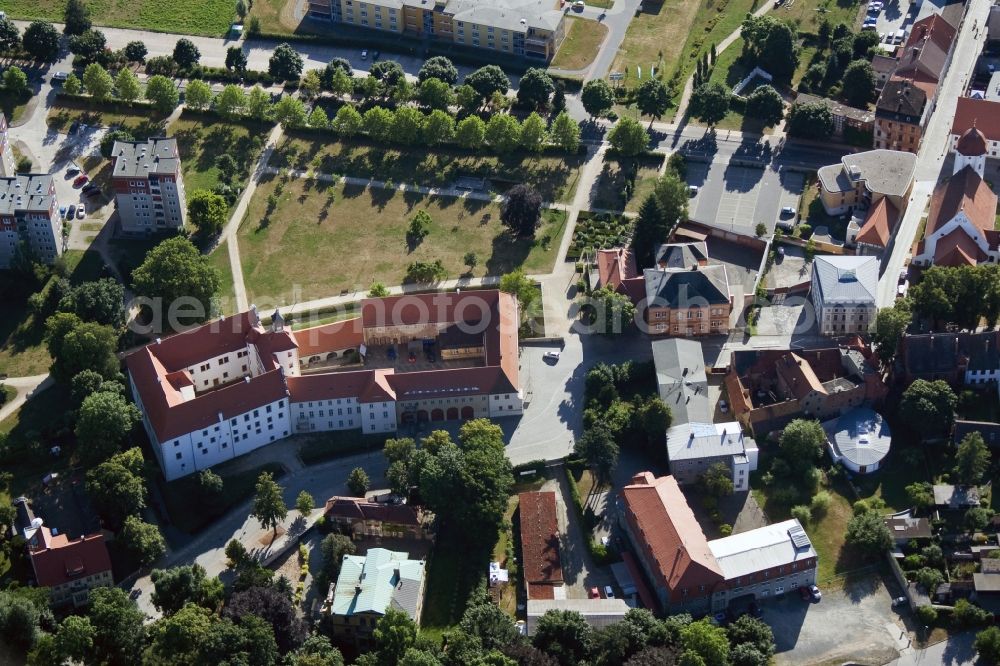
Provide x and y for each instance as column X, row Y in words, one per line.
column 29, row 219
column 688, row 301
column 843, row 293
column 681, row 379
column 149, row 186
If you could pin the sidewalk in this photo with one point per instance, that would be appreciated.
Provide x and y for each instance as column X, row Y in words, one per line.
column 27, row 388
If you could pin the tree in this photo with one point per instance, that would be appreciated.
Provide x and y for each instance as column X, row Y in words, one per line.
column 890, row 324
column 597, row 97
column 920, row 494
column 706, row 641
column 198, row 94
column 175, row 269
column 41, row 41
column 425, row 272
column 438, row 126
column 317, row 651
column 488, row 80
column 610, row 312
column 598, row 448
column 750, row 630
column 162, row 92
column 118, row 626
column 440, row 68
column 378, row 290
column 268, row 506
column 103, row 422
column 357, row 482
column 231, row 102
column 378, row 123
column 394, row 634
column 521, row 286
column 967, row 614
column 207, row 212
column 628, row 137
column 972, row 459
column 10, row 37
column 718, row 480
column 407, row 125
column 186, row 54
column 90, row 46
column 435, row 94
column 15, row 80
column 535, row 88
column 653, row 98
column 802, row 443
column 347, row 122
column 388, row 72
column 988, row 645
column 929, row 579
column 765, row 104
column 533, row 133
column 75, row 639
column 470, row 132
column 929, row 407
column 98, row 82
column 811, row 120
column 333, row 548
column 565, row 133
column 76, row 18
column 779, row 55
column 521, row 210
column 503, row 132
column 135, row 51
column 236, row 59
column 305, row 503
column 274, row 607
column 978, row 517
column 290, row 112
column 176, row 587
column 868, row 533
column 72, row 86
column 76, row 346
column 564, row 635
column 710, row 102
column 127, row 85
column 859, row 82
column 143, row 539
column 285, row 63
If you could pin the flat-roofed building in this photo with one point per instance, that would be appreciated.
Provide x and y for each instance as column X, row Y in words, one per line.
column 29, row 219
column 149, row 186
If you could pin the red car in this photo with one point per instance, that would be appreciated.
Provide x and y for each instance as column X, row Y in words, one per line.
column 594, row 594
column 80, row 180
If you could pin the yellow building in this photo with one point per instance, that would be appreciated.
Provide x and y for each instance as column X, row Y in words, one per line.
column 528, row 28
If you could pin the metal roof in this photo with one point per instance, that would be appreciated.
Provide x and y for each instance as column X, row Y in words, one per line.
column 681, row 379
column 761, row 549
column 861, row 436
column 694, row 441
column 377, row 581
column 845, row 278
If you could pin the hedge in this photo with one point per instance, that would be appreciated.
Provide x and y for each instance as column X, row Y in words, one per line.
column 535, row 466
column 337, row 443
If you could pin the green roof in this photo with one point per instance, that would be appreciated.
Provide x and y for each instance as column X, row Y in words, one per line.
column 377, row 581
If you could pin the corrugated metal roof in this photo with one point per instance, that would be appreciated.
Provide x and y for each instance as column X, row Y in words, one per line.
column 760, row 549
column 846, row 278
column 372, row 583
column 861, row 436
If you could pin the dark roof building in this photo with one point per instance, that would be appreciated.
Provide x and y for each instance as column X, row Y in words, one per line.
column 901, row 101
column 956, row 358
column 990, row 431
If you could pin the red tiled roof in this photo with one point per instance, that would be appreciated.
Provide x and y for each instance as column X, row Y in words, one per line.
column 879, row 223
column 358, row 508
column 983, row 113
column 973, row 142
column 957, row 249
column 331, row 385
column 57, row 560
column 541, row 566
column 330, row 337
column 661, row 517
column 935, row 29
column 965, row 192
column 615, row 266
column 215, row 338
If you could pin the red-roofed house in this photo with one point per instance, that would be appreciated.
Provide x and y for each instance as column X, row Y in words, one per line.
column 231, row 386
column 690, row 573
column 369, row 518
column 984, row 115
column 540, row 563
column 70, row 569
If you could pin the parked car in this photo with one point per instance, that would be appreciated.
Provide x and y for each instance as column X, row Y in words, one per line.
column 692, row 190
column 579, row 6
column 608, row 592
column 81, row 213
column 898, row 601
column 71, row 213
column 92, row 192
column 814, row 593
column 73, row 171
column 59, row 77
column 594, row 594
column 80, row 180
column 553, row 355
column 364, row 54
column 62, row 211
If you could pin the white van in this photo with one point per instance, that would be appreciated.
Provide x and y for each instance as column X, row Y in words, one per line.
column 899, row 37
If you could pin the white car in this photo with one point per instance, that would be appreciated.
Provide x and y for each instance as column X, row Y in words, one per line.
column 364, row 54
column 554, row 355
column 608, row 592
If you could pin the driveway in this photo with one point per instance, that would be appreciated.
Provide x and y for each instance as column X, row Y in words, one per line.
column 856, row 623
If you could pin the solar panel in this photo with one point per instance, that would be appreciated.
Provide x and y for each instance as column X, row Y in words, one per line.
column 798, row 536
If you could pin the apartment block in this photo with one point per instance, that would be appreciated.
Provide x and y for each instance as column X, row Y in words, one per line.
column 148, row 185
column 528, row 28
column 7, row 166
column 29, row 218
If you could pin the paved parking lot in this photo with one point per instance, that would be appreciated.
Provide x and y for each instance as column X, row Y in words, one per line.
column 739, row 197
column 869, row 630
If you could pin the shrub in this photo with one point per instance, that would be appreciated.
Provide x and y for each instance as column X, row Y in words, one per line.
column 927, row 614
column 821, row 503
column 725, row 529
column 802, row 513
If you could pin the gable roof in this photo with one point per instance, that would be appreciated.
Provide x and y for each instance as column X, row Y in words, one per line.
column 933, row 29
column 763, row 548
column 541, row 565
column 845, row 278
column 334, row 336
column 983, row 113
column 901, row 100
column 941, row 353
column 965, row 192
column 681, row 380
column 681, row 255
column 879, row 223
column 377, row 581
column 358, row 508
column 922, row 61
column 673, row 288
column 666, row 523
column 57, row 560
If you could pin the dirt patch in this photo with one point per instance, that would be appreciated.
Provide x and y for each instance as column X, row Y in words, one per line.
column 271, row 536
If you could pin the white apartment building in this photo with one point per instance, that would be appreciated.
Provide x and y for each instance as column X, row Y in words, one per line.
column 7, row 165
column 148, row 185
column 843, row 293
column 29, row 218
column 231, row 386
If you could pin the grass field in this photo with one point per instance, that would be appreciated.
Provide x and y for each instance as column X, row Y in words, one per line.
column 270, row 14
column 610, row 187
column 322, row 238
column 189, row 17
column 13, row 105
column 554, row 176
column 579, row 48
column 202, row 139
column 806, row 15
column 65, row 111
column 227, row 296
column 190, row 513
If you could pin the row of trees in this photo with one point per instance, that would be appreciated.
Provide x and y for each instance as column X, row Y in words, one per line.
column 710, row 102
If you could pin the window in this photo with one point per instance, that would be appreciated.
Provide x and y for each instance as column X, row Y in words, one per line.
column 179, row 455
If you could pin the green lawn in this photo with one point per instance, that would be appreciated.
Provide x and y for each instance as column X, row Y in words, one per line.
column 610, row 186
column 583, row 40
column 453, row 572
column 729, row 68
column 554, row 176
column 188, row 510
column 142, row 123
column 806, row 15
column 202, row 139
column 322, row 239
column 39, row 424
column 13, row 105
column 189, row 17
column 227, row 295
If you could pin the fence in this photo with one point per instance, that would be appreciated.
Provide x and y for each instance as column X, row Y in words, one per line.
column 757, row 71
